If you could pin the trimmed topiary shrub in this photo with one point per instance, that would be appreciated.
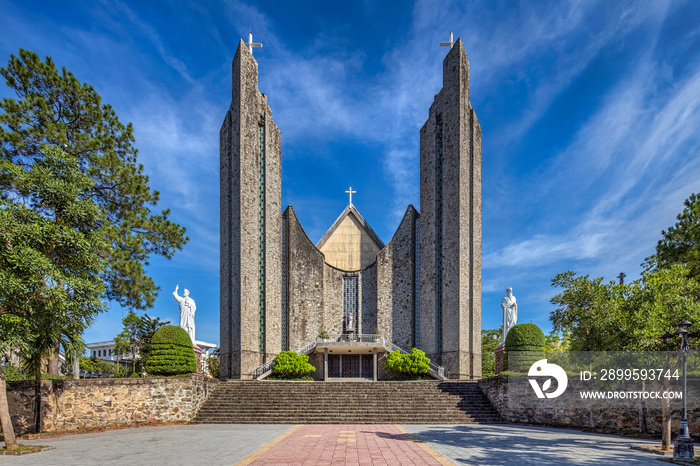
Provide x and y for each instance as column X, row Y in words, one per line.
column 525, row 338
column 407, row 366
column 290, row 365
column 171, row 352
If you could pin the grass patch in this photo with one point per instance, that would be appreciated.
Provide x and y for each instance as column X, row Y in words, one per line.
column 25, row 449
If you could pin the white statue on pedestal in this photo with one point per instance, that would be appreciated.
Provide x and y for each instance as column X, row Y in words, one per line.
column 187, row 309
column 510, row 312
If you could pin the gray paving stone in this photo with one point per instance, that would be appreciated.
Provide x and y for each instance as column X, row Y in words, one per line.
column 166, row 445
column 516, row 445
column 228, row 444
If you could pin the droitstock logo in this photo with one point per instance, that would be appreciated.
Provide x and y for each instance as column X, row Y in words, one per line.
column 543, row 369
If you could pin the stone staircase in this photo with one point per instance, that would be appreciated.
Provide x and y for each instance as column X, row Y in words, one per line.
column 278, row 402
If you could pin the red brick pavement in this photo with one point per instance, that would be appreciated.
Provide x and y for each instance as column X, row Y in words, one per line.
column 346, row 444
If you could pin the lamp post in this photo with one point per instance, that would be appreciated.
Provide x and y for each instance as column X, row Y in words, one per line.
column 683, row 448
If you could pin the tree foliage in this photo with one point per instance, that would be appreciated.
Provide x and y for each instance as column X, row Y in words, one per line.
column 76, row 225
column 614, row 317
column 214, row 365
column 490, row 339
column 53, row 109
column 556, row 342
column 135, row 337
column 680, row 244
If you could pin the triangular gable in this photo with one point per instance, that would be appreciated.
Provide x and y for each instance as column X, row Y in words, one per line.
column 350, row 209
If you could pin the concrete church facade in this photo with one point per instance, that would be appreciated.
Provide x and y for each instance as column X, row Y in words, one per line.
column 280, row 291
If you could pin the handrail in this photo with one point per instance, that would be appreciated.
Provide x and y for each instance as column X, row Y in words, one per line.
column 353, row 338
column 439, row 370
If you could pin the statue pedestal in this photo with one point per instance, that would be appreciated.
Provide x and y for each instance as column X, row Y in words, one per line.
column 198, row 356
column 500, row 353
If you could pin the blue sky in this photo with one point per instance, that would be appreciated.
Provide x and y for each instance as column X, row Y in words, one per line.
column 589, row 113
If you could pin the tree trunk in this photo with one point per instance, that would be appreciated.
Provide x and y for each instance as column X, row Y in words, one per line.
column 665, row 424
column 54, row 361
column 8, row 431
column 76, row 367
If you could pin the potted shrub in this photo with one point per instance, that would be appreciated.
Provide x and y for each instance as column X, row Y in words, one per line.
column 323, row 335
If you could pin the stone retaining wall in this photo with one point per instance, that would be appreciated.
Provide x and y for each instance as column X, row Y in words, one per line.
column 69, row 405
column 599, row 416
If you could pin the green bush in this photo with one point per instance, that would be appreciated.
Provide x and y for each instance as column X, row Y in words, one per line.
column 96, row 365
column 12, row 374
column 289, row 365
column 172, row 334
column 171, row 352
column 525, row 338
column 135, row 375
column 118, row 371
column 407, row 366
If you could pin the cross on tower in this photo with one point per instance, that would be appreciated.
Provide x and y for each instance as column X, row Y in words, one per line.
column 251, row 44
column 450, row 43
column 622, row 277
column 350, row 192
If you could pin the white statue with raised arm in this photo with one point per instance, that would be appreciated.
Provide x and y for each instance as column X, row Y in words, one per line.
column 187, row 309
column 510, row 312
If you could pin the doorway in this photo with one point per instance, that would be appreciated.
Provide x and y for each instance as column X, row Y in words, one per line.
column 351, row 366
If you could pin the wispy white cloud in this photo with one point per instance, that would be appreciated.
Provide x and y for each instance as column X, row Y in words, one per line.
column 635, row 160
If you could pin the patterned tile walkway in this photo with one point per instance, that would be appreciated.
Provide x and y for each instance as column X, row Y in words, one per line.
column 381, row 444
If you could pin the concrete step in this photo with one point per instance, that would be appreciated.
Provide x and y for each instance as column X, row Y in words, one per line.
column 357, row 402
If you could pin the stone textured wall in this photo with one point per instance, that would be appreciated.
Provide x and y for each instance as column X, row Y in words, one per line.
column 601, row 416
column 333, row 299
column 69, row 405
column 450, row 293
column 368, row 304
column 305, row 284
column 395, row 284
column 240, row 229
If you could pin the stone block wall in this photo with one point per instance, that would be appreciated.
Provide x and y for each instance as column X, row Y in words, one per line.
column 599, row 416
column 305, row 284
column 250, row 225
column 450, row 236
column 333, row 299
column 368, row 304
column 69, row 405
column 395, row 284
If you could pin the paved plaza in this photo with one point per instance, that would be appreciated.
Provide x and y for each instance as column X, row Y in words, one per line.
column 337, row 444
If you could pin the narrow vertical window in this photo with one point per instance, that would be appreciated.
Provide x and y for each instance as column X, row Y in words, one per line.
column 285, row 340
column 350, row 304
column 438, row 230
column 261, row 233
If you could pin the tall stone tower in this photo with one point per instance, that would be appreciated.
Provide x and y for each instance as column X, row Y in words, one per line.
column 450, row 225
column 251, row 226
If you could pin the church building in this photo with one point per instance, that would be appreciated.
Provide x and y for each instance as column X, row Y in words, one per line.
column 350, row 299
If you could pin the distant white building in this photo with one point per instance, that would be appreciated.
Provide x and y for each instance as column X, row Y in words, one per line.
column 207, row 352
column 104, row 350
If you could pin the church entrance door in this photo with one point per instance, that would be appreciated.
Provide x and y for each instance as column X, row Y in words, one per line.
column 350, row 366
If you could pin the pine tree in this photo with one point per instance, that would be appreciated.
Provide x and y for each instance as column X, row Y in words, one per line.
column 76, row 225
